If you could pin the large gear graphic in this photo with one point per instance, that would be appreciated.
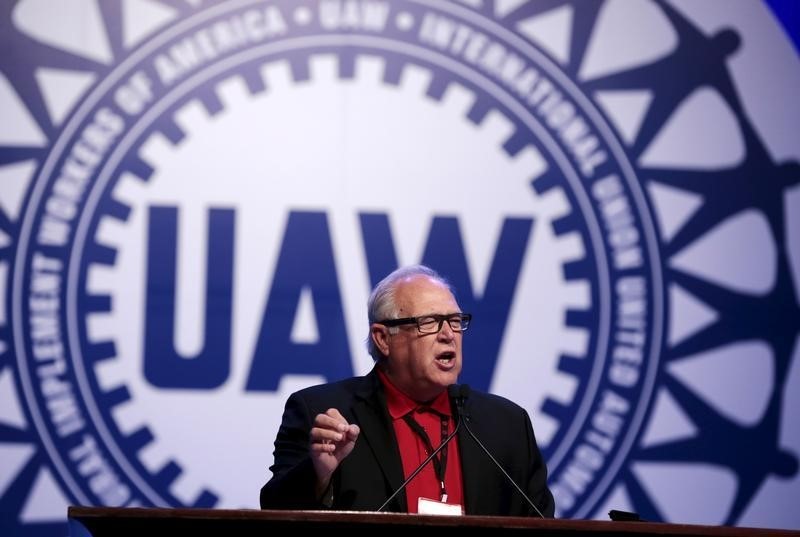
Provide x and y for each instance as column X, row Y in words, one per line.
column 280, row 96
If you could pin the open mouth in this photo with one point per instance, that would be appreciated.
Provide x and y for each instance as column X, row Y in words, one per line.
column 446, row 357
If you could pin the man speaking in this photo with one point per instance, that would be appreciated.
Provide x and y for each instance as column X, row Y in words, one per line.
column 397, row 439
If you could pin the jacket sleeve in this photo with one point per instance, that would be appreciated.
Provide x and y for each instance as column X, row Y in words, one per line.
column 538, row 491
column 293, row 476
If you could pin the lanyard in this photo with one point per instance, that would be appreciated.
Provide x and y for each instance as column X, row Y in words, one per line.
column 440, row 462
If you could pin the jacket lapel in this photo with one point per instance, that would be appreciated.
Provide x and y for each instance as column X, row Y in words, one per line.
column 475, row 482
column 377, row 430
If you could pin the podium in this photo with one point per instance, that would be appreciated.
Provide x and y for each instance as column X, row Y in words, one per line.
column 122, row 522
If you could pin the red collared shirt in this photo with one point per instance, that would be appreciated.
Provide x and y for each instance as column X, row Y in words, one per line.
column 413, row 449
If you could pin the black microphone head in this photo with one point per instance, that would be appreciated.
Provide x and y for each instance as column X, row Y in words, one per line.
column 454, row 391
column 464, row 391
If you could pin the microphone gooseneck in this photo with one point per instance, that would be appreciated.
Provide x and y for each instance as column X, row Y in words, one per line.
column 428, row 459
column 462, row 394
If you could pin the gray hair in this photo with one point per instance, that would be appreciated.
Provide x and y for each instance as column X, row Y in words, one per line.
column 381, row 304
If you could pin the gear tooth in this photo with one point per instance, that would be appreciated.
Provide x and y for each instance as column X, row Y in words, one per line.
column 187, row 490
column 94, row 304
column 168, row 473
column 128, row 417
column 570, row 247
column 578, row 318
column 497, row 127
column 324, row 68
column 370, row 68
column 232, row 92
column 516, row 142
column 277, row 75
column 101, row 351
column 299, row 69
column 192, row 116
column 574, row 341
column 100, row 279
column 156, row 149
column 116, row 396
column 3, row 287
column 183, row 488
column 129, row 189
column 139, row 169
column 546, row 181
column 108, row 373
column 205, row 500
column 478, row 111
column 251, row 77
column 393, row 71
column 554, row 204
column 437, row 87
column 100, row 327
column 138, row 439
column 110, row 233
column 458, row 100
column 116, row 210
column 546, row 427
column 577, row 270
column 415, row 79
column 172, row 131
column 152, row 455
column 572, row 365
column 578, row 294
column 208, row 97
column 101, row 254
column 532, row 162
column 556, row 410
column 563, row 388
column 347, row 68
column 564, row 225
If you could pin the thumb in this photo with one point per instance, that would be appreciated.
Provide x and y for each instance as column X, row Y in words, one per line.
column 352, row 432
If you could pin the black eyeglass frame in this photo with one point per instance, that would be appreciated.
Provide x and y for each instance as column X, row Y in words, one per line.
column 462, row 318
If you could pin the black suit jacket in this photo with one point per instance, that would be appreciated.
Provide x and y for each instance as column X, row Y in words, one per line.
column 373, row 470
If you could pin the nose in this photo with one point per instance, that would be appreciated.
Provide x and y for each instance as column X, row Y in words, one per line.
column 446, row 333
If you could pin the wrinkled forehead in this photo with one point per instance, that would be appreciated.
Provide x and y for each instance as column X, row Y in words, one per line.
column 418, row 295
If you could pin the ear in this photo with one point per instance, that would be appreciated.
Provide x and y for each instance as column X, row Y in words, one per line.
column 380, row 337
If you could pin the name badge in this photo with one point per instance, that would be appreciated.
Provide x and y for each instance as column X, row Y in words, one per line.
column 426, row 506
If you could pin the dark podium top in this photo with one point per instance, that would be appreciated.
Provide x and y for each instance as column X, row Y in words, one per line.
column 120, row 522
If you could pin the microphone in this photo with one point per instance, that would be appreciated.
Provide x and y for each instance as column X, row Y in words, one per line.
column 462, row 394
column 454, row 392
column 459, row 393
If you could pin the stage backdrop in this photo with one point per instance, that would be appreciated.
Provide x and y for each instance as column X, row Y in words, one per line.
column 197, row 197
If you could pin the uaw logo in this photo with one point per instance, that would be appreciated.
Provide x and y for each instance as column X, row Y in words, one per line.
column 198, row 197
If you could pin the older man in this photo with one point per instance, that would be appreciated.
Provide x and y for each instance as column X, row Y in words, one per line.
column 351, row 444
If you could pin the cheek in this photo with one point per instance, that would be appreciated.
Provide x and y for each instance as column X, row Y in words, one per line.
column 420, row 353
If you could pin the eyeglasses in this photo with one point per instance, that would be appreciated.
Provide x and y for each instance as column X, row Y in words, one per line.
column 432, row 324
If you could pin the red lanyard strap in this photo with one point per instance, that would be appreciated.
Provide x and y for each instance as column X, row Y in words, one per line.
column 440, row 463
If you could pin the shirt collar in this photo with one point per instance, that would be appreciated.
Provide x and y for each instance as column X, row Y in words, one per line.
column 399, row 404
